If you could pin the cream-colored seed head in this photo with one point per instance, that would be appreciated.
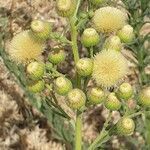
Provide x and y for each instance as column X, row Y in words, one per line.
column 23, row 48
column 109, row 68
column 109, row 19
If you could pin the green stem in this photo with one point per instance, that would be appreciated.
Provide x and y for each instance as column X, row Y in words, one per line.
column 78, row 132
column 136, row 114
column 74, row 36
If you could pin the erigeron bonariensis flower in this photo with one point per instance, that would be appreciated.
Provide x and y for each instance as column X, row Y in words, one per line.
column 23, row 48
column 109, row 19
column 109, row 68
column 113, row 42
column 65, row 8
column 126, row 34
column 41, row 30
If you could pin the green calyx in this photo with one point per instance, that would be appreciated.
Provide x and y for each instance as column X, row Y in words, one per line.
column 36, row 87
column 65, row 8
column 84, row 67
column 144, row 97
column 41, row 30
column 125, row 126
column 35, row 70
column 90, row 37
column 125, row 91
column 76, row 98
column 95, row 95
column 57, row 56
column 112, row 102
column 62, row 85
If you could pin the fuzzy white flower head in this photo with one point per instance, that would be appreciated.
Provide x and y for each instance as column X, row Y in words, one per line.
column 24, row 48
column 109, row 68
column 109, row 19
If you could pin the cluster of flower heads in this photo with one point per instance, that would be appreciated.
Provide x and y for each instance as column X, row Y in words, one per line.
column 107, row 67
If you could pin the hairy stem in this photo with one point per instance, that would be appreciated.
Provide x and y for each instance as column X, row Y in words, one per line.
column 74, row 36
column 78, row 132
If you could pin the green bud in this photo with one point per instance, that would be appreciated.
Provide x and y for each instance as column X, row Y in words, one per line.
column 125, row 91
column 36, row 87
column 49, row 66
column 126, row 34
column 125, row 126
column 144, row 97
column 97, row 2
column 113, row 43
column 35, row 70
column 41, row 29
column 112, row 103
column 76, row 98
column 90, row 37
column 65, row 8
column 57, row 56
column 95, row 95
column 62, row 85
column 84, row 67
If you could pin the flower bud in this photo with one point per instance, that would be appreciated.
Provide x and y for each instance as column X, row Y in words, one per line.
column 84, row 67
column 36, row 87
column 126, row 34
column 62, row 85
column 41, row 29
column 48, row 66
column 125, row 91
column 112, row 103
column 65, row 8
column 56, row 56
column 97, row 2
column 96, row 95
column 125, row 126
column 113, row 43
column 144, row 97
column 35, row 70
column 76, row 98
column 90, row 37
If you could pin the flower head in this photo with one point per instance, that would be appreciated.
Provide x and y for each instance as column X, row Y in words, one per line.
column 65, row 8
column 41, row 29
column 108, row 19
column 109, row 68
column 24, row 48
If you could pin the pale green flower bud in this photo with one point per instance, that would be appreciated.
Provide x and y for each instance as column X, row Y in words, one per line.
column 35, row 70
column 125, row 91
column 36, row 87
column 95, row 95
column 126, row 34
column 84, row 67
column 144, row 97
column 113, row 43
column 65, row 8
column 90, row 37
column 41, row 29
column 76, row 98
column 57, row 56
column 62, row 85
column 112, row 103
column 125, row 126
